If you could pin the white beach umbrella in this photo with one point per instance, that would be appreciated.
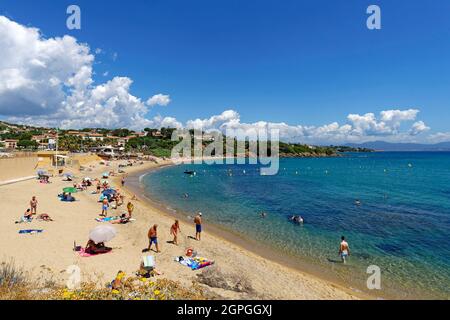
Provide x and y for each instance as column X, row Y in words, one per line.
column 103, row 233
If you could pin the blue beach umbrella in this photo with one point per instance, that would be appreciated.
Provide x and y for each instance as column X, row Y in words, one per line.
column 109, row 191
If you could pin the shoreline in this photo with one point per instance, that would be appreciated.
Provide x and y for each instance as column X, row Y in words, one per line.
column 47, row 255
column 251, row 246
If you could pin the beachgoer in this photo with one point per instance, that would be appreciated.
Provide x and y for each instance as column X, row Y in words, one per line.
column 153, row 238
column 117, row 283
column 130, row 208
column 116, row 198
column 198, row 226
column 33, row 205
column 44, row 217
column 123, row 181
column 27, row 217
column 357, row 202
column 297, row 219
column 96, row 248
column 263, row 214
column 105, row 205
column 344, row 250
column 174, row 231
column 122, row 220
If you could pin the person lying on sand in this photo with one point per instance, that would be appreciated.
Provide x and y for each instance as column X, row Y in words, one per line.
column 122, row 220
column 44, row 217
column 96, row 248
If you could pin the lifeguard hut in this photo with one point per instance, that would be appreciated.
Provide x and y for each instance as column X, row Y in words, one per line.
column 51, row 161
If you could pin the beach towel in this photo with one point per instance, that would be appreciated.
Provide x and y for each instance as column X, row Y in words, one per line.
column 84, row 254
column 107, row 219
column 195, row 263
column 30, row 231
column 111, row 219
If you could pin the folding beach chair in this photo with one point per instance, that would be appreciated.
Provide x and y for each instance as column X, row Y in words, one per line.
column 149, row 263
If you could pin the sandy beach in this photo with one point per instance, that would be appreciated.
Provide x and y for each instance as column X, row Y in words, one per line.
column 51, row 252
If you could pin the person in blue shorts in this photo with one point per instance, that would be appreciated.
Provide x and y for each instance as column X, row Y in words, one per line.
column 344, row 250
column 153, row 238
column 198, row 226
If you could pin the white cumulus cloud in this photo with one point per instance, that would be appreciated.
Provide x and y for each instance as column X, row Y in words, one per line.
column 50, row 82
column 418, row 128
column 159, row 100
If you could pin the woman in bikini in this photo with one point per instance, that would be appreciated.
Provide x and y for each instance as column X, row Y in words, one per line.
column 174, row 231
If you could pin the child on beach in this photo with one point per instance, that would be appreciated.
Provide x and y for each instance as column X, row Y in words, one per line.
column 174, row 231
column 105, row 205
column 130, row 208
column 33, row 205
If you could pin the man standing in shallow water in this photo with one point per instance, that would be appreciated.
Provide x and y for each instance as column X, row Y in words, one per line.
column 198, row 226
column 344, row 250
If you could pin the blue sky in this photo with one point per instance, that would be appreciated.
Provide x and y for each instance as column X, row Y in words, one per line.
column 300, row 62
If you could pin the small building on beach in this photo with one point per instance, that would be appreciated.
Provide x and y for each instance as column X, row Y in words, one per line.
column 50, row 159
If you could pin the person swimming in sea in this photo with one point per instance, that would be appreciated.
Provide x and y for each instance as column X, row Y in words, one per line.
column 357, row 202
column 263, row 215
column 297, row 219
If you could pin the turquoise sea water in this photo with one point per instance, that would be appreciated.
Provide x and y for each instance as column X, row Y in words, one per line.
column 402, row 225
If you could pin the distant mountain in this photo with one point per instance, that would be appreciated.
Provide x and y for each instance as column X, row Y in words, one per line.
column 388, row 146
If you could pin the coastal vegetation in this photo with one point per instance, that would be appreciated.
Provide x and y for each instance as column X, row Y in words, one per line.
column 155, row 142
column 18, row 284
